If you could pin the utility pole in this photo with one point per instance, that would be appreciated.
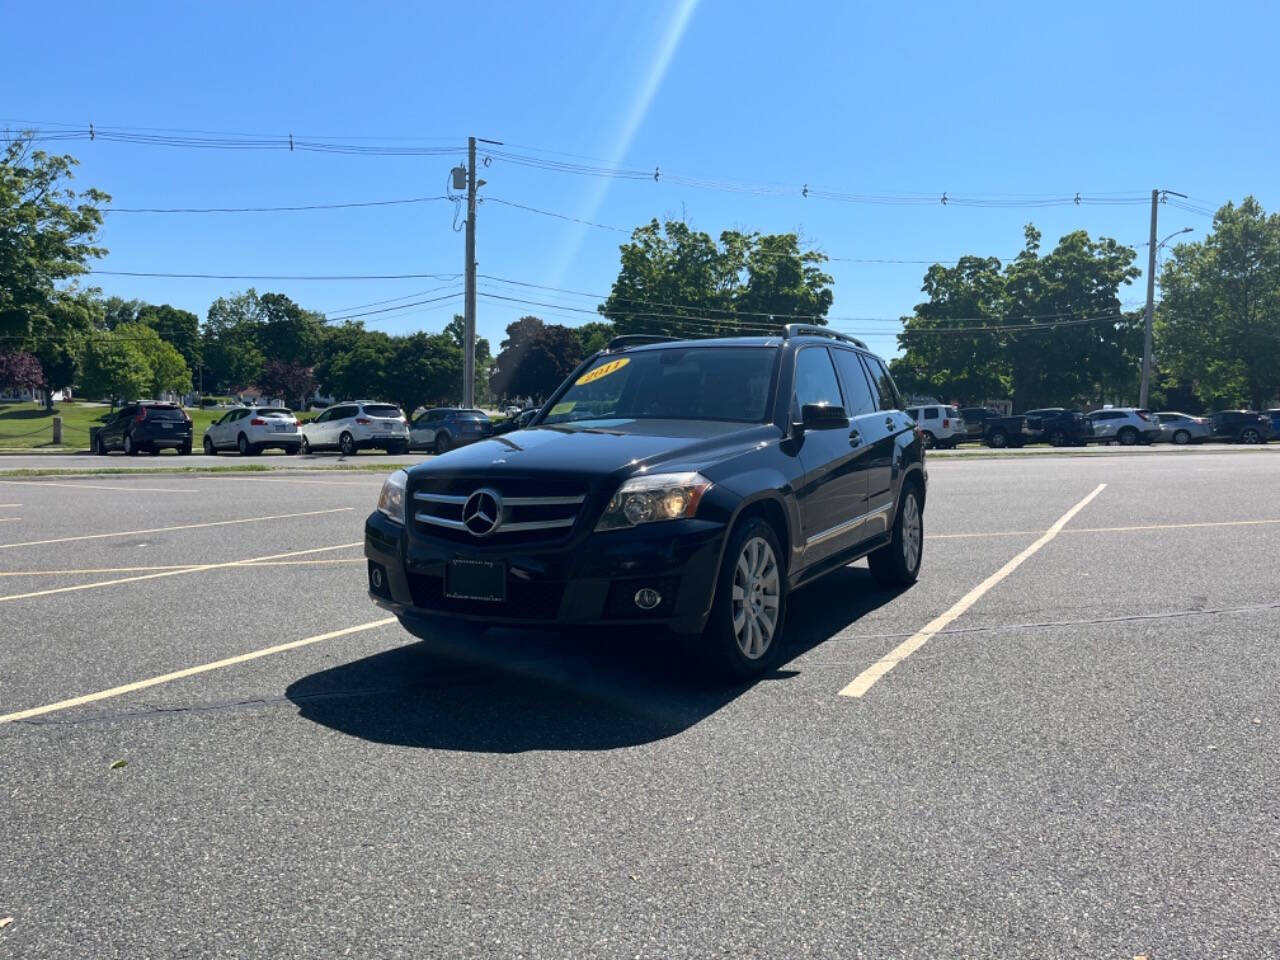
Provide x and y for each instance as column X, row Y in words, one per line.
column 469, row 298
column 1149, row 315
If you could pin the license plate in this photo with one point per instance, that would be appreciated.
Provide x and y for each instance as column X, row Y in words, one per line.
column 167, row 426
column 475, row 580
column 279, row 427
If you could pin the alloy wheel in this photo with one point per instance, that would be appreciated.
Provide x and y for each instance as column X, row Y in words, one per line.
column 911, row 532
column 756, row 594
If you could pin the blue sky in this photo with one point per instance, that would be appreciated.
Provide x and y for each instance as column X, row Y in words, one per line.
column 885, row 100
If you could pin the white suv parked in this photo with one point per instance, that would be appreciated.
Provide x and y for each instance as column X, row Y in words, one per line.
column 349, row 427
column 1124, row 425
column 942, row 426
column 252, row 430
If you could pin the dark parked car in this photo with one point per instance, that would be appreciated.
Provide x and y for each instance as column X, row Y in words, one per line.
column 1058, row 427
column 1275, row 423
column 1000, row 432
column 1241, row 426
column 975, row 421
column 691, row 485
column 444, row 428
column 136, row 427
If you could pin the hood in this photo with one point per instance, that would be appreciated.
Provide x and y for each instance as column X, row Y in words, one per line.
column 600, row 448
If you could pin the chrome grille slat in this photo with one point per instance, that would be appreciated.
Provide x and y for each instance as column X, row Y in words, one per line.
column 541, row 501
column 439, row 498
column 536, row 508
column 534, row 525
column 440, row 521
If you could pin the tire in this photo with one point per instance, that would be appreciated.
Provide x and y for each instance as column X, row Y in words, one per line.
column 1127, row 436
column 209, row 449
column 153, row 451
column 243, row 445
column 306, row 446
column 998, row 439
column 930, row 442
column 1181, row 437
column 185, row 449
column 442, row 443
column 1250, row 436
column 100, row 446
column 897, row 564
column 291, row 450
column 347, row 444
column 398, row 449
column 1057, row 439
column 130, row 447
column 741, row 639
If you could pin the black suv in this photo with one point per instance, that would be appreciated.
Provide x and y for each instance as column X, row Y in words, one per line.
column 688, row 484
column 1241, row 426
column 145, row 426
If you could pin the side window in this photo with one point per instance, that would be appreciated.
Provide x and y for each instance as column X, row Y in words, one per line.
column 887, row 392
column 343, row 413
column 816, row 379
column 913, row 413
column 931, row 413
column 857, row 392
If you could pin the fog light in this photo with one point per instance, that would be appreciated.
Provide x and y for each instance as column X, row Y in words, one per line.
column 376, row 577
column 648, row 598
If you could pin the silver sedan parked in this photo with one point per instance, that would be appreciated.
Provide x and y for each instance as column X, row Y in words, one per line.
column 1182, row 428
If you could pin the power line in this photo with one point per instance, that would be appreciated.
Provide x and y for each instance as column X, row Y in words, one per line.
column 244, row 276
column 309, row 206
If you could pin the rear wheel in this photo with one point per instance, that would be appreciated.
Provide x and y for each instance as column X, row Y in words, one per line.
column 998, row 439
column 306, row 446
column 1181, row 437
column 1127, row 436
column 130, row 447
column 1250, row 436
column 347, row 444
column 209, row 449
column 1057, row 439
column 243, row 445
column 744, row 634
column 185, row 449
column 100, row 446
column 929, row 440
column 442, row 443
column 291, row 450
column 897, row 564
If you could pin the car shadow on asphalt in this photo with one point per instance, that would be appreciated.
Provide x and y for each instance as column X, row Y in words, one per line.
column 511, row 691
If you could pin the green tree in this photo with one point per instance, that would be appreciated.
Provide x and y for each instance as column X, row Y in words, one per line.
column 167, row 372
column 535, row 359
column 677, row 281
column 353, row 362
column 292, row 381
column 422, row 368
column 232, row 356
column 47, row 236
column 117, row 311
column 115, row 369
column 594, row 336
column 178, row 327
column 456, row 329
column 1218, row 324
column 1059, row 338
column 288, row 333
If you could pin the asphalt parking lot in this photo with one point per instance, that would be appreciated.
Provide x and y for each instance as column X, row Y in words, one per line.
column 1062, row 742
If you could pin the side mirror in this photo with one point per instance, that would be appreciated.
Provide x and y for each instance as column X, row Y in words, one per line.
column 821, row 416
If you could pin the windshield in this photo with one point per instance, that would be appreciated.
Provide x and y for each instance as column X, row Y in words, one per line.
column 691, row 383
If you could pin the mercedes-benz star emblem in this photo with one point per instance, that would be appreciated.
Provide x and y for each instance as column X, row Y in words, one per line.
column 482, row 513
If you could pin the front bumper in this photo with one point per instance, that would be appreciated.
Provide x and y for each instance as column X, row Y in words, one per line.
column 589, row 581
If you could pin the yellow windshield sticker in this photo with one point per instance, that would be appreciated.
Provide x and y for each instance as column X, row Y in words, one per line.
column 591, row 376
column 560, row 408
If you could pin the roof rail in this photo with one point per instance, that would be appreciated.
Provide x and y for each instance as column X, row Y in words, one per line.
column 813, row 330
column 635, row 340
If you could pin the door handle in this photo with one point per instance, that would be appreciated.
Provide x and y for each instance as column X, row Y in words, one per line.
column 888, row 422
column 855, row 438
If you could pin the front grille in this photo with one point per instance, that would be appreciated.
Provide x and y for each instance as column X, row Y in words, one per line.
column 526, row 600
column 528, row 510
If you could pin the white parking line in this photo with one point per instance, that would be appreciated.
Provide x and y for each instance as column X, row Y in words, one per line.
column 101, row 486
column 201, row 568
column 190, row 672
column 182, row 526
column 1131, row 529
column 867, row 678
column 375, row 478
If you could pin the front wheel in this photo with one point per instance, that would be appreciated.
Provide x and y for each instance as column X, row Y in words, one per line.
column 306, row 446
column 243, row 445
column 1250, row 436
column 1181, row 437
column 897, row 564
column 929, row 441
column 1057, row 439
column 209, row 449
column 1128, row 437
column 347, row 444
column 442, row 443
column 998, row 439
column 130, row 448
column 744, row 634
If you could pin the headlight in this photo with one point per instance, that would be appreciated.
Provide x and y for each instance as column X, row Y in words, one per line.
column 391, row 500
column 663, row 496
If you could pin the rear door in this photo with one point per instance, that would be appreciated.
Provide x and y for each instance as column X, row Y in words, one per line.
column 832, row 496
column 881, row 433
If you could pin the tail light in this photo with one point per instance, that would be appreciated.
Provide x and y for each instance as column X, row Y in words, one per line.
column 363, row 420
column 1143, row 416
column 186, row 416
column 142, row 415
column 945, row 423
column 297, row 422
column 257, row 422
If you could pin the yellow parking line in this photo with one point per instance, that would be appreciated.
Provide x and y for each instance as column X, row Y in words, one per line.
column 300, row 563
column 183, row 526
column 1129, row 529
column 190, row 672
column 79, row 572
column 102, row 486
column 201, row 568
column 864, row 681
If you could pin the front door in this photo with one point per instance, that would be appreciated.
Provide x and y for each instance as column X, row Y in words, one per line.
column 881, row 433
column 832, row 495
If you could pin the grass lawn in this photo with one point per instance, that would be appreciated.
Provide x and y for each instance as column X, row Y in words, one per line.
column 28, row 426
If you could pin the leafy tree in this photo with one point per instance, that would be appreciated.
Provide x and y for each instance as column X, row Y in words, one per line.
column 1219, row 319
column 456, row 330
column 167, row 372
column 115, row 369
column 19, row 370
column 117, row 311
column 594, row 336
column 678, row 281
column 232, row 356
column 287, row 332
column 292, row 381
column 179, row 327
column 422, row 368
column 1060, row 338
column 47, row 235
column 535, row 358
column 71, row 317
column 354, row 362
